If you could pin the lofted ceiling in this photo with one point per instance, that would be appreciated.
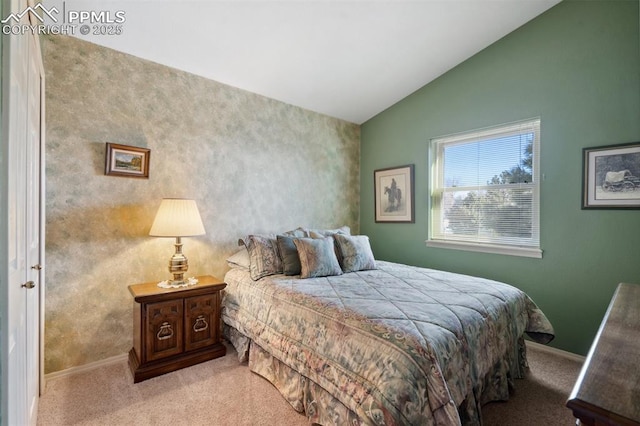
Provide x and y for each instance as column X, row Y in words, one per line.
column 345, row 59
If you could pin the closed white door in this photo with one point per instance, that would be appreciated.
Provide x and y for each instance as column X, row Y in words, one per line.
column 16, row 164
column 32, row 231
column 23, row 247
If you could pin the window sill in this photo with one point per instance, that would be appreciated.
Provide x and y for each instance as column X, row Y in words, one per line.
column 486, row 248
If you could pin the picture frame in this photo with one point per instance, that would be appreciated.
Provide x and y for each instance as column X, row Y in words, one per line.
column 394, row 194
column 611, row 177
column 125, row 160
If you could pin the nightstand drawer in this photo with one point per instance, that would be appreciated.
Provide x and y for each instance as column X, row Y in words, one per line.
column 164, row 329
column 201, row 316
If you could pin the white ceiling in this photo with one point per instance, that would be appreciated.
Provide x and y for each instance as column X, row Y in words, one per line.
column 346, row 59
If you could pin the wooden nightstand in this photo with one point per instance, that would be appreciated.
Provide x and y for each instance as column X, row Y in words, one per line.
column 176, row 327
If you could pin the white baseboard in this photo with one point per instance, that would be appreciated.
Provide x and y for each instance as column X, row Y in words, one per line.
column 123, row 357
column 86, row 367
column 559, row 352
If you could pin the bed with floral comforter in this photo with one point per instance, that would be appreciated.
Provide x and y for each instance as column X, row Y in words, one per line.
column 395, row 345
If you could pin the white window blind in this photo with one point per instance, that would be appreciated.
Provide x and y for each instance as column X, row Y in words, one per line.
column 485, row 190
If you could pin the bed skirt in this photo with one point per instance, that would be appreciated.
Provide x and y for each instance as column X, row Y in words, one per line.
column 320, row 407
column 303, row 394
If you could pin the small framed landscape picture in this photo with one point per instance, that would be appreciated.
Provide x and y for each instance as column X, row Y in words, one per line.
column 394, row 194
column 124, row 160
column 611, row 177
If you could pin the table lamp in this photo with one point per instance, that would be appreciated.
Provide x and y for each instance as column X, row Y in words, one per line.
column 177, row 217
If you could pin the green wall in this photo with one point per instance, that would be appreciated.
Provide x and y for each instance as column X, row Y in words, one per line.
column 3, row 232
column 577, row 67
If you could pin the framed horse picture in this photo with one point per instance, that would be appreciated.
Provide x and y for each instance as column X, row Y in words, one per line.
column 394, row 194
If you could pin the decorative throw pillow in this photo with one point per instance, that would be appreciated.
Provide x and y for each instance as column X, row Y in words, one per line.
column 263, row 256
column 239, row 260
column 317, row 257
column 355, row 253
column 321, row 233
column 298, row 232
column 289, row 255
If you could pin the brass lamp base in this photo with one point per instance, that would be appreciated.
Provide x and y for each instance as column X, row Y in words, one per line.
column 178, row 264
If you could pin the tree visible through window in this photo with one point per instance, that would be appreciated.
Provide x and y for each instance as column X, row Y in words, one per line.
column 485, row 189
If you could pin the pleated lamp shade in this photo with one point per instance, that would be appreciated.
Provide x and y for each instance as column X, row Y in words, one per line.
column 177, row 217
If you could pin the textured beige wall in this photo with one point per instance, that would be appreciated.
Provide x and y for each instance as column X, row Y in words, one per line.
column 253, row 164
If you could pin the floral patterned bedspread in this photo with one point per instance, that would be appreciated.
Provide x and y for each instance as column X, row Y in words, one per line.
column 396, row 345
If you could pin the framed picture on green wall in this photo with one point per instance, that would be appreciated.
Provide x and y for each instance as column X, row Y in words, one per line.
column 611, row 177
column 394, row 194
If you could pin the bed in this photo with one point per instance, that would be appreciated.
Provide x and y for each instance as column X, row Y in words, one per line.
column 354, row 340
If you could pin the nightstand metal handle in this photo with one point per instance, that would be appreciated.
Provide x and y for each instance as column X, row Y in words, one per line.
column 200, row 324
column 165, row 332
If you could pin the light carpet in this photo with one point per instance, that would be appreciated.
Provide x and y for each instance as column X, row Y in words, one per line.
column 224, row 392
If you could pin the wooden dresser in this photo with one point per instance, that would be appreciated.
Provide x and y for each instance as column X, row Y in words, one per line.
column 176, row 327
column 607, row 391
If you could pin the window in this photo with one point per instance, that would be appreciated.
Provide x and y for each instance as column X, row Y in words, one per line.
column 485, row 190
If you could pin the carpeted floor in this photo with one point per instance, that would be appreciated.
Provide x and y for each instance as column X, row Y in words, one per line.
column 540, row 398
column 224, row 392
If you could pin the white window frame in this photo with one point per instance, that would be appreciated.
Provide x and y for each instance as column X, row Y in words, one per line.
column 438, row 237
